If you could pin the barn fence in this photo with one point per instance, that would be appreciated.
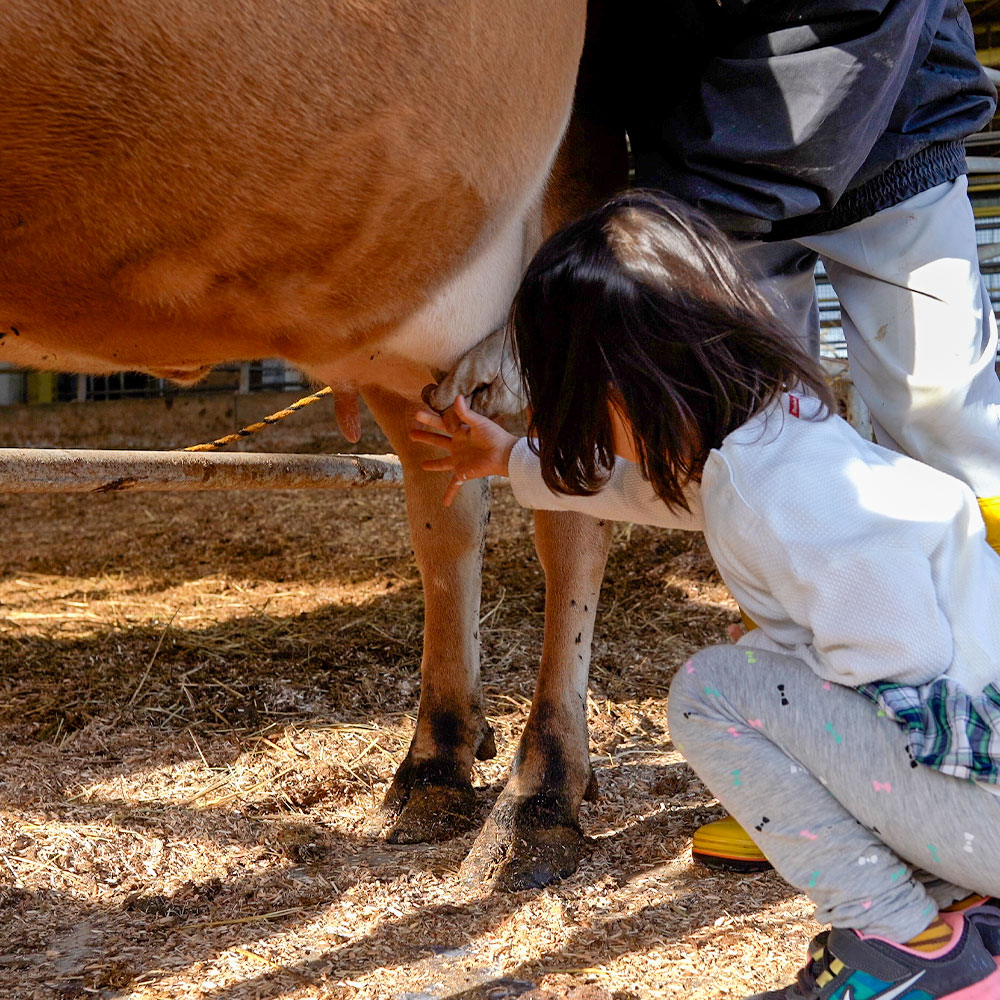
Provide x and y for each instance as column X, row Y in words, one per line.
column 268, row 375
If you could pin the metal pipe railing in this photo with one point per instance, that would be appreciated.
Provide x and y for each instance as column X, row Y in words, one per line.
column 54, row 470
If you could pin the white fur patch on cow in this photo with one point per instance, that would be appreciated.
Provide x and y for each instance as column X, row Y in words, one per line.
column 470, row 305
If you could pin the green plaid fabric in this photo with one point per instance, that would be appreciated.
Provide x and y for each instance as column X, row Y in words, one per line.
column 949, row 729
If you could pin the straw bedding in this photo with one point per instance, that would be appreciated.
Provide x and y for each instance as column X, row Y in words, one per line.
column 202, row 698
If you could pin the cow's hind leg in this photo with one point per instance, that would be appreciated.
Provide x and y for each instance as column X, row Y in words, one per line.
column 431, row 795
column 533, row 836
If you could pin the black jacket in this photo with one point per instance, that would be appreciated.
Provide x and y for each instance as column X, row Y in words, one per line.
column 784, row 118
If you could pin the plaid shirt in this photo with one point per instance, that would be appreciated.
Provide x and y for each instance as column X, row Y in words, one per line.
column 949, row 729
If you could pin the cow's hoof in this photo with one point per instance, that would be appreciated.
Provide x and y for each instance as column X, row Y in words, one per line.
column 423, row 813
column 433, row 812
column 431, row 799
column 524, row 846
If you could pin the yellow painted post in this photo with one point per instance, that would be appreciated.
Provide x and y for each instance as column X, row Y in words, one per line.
column 41, row 387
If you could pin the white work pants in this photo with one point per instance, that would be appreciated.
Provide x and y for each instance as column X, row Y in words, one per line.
column 921, row 336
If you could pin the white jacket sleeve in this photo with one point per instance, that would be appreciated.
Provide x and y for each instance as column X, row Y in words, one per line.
column 625, row 497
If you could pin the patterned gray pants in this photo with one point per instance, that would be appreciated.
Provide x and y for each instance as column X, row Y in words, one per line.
column 830, row 793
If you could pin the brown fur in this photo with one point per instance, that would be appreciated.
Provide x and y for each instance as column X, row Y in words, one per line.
column 186, row 182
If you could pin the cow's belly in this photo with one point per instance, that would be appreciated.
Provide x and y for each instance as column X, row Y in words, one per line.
column 399, row 355
column 469, row 305
column 279, row 192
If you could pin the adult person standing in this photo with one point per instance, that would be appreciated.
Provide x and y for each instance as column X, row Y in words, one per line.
column 807, row 129
column 826, row 130
column 835, row 130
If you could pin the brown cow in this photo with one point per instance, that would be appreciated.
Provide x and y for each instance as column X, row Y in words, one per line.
column 351, row 185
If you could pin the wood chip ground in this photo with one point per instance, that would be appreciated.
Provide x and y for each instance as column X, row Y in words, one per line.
column 202, row 698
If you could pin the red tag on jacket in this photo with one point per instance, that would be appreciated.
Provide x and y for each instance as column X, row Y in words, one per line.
column 793, row 405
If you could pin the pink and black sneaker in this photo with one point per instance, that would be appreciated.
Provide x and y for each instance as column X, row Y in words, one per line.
column 843, row 965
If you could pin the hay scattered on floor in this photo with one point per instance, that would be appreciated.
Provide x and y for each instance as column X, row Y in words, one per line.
column 202, row 697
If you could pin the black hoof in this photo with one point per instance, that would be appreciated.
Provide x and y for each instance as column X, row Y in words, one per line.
column 522, row 846
column 423, row 813
column 433, row 812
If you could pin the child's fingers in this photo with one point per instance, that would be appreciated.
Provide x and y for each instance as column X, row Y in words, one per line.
column 429, row 419
column 451, row 491
column 735, row 632
column 446, row 464
column 467, row 415
column 426, row 437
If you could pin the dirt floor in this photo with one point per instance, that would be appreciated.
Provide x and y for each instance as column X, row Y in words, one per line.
column 203, row 696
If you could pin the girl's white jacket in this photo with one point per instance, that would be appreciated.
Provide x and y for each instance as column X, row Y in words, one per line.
column 866, row 564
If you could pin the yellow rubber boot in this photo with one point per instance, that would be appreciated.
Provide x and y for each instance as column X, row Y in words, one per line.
column 990, row 506
column 725, row 844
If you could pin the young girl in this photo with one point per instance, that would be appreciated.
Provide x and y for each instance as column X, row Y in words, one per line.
column 857, row 729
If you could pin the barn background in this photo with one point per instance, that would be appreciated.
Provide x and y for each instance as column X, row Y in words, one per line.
column 202, row 697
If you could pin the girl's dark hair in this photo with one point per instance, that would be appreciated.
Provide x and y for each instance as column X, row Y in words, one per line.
column 643, row 304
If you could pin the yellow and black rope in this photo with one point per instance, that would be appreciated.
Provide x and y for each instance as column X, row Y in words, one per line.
column 271, row 418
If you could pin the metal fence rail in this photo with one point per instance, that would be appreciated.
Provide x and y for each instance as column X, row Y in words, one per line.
column 54, row 470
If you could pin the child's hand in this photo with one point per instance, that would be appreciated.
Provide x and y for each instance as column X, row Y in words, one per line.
column 479, row 447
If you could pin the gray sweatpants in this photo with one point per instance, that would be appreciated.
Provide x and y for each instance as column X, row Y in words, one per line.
column 828, row 790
